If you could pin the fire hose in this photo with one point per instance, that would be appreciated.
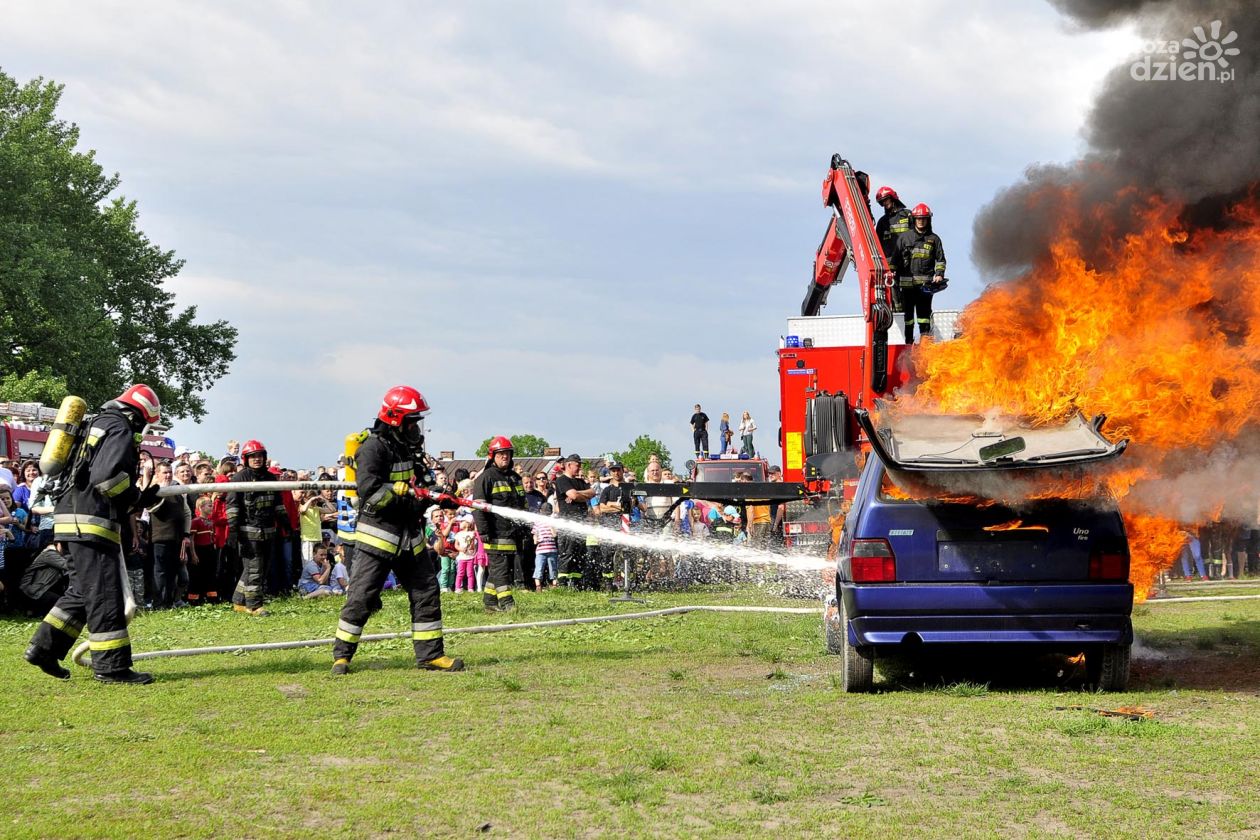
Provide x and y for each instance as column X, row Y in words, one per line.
column 80, row 653
column 275, row 486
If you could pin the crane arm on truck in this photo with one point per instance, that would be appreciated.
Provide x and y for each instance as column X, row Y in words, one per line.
column 851, row 237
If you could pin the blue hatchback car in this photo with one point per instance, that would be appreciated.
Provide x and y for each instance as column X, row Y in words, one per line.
column 924, row 571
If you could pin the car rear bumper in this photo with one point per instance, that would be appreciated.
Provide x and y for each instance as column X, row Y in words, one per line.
column 1067, row 614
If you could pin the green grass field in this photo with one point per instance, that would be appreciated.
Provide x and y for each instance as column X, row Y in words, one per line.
column 696, row 725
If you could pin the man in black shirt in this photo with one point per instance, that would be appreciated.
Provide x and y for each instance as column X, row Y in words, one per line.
column 700, row 432
column 613, row 502
column 573, row 495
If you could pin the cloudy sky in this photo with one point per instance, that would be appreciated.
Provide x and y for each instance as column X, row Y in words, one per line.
column 568, row 219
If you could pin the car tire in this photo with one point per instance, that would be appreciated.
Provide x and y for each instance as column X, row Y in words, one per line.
column 857, row 662
column 1109, row 667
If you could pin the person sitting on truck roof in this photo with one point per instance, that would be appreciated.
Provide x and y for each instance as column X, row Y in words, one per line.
column 919, row 260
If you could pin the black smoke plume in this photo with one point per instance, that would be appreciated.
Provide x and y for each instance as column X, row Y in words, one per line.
column 1189, row 143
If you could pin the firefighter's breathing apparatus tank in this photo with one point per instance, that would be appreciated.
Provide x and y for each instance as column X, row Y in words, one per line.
column 65, row 437
column 353, row 441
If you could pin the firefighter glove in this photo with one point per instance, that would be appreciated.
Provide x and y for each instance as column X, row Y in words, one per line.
column 148, row 496
column 402, row 488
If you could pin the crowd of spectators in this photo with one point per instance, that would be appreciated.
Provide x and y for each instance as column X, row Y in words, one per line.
column 177, row 551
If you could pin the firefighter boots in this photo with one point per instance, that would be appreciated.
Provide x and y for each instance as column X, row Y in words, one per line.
column 442, row 663
column 341, row 667
column 124, row 677
column 44, row 661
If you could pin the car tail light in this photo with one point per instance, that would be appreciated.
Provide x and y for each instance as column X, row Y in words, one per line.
column 1108, row 565
column 873, row 561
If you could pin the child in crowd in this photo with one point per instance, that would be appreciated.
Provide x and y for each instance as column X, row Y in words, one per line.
column 202, row 574
column 545, row 550
column 438, row 536
column 315, row 574
column 339, row 583
column 465, row 540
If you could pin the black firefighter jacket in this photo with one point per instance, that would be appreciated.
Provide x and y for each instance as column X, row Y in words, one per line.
column 502, row 488
column 103, row 490
column 385, row 517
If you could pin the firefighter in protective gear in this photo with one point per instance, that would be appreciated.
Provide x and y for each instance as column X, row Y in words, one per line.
column 894, row 222
column 499, row 484
column 389, row 535
column 90, row 519
column 252, row 522
column 918, row 259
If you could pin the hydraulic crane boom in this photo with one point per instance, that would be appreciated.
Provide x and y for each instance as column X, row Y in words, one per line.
column 851, row 236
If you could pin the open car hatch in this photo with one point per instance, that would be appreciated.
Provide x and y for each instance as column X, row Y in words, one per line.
column 992, row 457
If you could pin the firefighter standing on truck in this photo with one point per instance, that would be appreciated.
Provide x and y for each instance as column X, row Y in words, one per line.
column 894, row 222
column 389, row 535
column 252, row 520
column 499, row 484
column 919, row 260
column 90, row 516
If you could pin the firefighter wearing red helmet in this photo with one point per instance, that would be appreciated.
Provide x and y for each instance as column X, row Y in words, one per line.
column 919, row 260
column 92, row 516
column 499, row 484
column 253, row 519
column 389, row 535
column 894, row 222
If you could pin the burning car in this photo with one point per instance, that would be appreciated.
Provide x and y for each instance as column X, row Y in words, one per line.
column 960, row 534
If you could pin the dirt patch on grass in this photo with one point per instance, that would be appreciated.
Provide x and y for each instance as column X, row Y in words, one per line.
column 1200, row 670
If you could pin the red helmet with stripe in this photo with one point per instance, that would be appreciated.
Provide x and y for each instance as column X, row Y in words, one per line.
column 885, row 192
column 500, row 444
column 400, row 402
column 253, row 447
column 921, row 211
column 142, row 399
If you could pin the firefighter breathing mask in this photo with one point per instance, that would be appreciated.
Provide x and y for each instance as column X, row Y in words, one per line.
column 412, row 431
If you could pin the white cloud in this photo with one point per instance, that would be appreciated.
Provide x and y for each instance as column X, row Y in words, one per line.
column 576, row 220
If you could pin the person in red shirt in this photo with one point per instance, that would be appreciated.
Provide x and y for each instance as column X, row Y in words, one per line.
column 203, row 572
column 229, row 559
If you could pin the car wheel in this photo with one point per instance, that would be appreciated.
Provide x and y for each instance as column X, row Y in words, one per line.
column 1109, row 667
column 857, row 661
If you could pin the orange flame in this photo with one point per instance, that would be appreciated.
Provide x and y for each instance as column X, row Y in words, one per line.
column 1016, row 525
column 1158, row 332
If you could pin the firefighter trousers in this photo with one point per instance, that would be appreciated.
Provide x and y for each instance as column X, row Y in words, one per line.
column 417, row 574
column 252, row 585
column 572, row 558
column 917, row 310
column 95, row 599
column 701, row 440
column 498, row 592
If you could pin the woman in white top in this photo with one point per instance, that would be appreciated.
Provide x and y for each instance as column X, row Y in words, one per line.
column 746, row 429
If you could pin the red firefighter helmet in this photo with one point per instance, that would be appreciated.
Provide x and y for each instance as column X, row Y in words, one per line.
column 921, row 211
column 885, row 192
column 142, row 399
column 500, row 444
column 399, row 402
column 253, row 447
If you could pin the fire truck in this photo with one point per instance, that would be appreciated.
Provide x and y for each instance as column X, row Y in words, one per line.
column 24, row 428
column 832, row 365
